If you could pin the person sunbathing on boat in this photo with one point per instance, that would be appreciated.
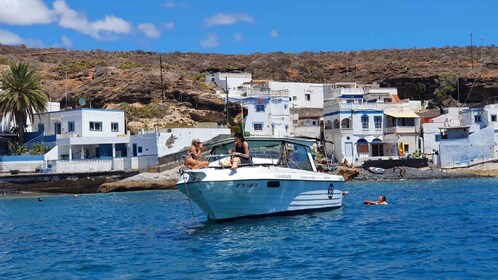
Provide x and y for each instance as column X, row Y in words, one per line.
column 381, row 200
column 193, row 159
column 240, row 154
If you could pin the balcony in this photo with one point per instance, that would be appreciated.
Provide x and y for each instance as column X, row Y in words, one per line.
column 401, row 129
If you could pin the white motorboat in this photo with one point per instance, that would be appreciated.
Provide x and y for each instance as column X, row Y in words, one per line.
column 281, row 179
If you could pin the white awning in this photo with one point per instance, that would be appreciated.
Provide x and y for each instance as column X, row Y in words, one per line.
column 397, row 114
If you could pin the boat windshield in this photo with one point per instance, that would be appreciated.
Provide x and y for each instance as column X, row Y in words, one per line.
column 296, row 156
column 257, row 149
column 281, row 153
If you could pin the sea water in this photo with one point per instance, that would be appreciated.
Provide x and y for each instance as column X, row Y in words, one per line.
column 433, row 229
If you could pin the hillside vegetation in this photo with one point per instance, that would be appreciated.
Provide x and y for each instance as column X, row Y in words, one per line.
column 132, row 80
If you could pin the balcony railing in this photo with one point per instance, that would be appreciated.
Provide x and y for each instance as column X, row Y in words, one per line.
column 401, row 129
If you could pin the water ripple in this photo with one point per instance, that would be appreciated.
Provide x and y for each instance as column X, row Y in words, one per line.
column 430, row 229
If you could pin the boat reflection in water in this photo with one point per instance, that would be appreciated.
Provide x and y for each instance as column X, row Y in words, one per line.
column 280, row 179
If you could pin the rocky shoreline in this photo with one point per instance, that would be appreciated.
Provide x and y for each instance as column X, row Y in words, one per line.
column 410, row 174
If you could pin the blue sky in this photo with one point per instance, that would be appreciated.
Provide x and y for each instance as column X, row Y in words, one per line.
column 245, row 27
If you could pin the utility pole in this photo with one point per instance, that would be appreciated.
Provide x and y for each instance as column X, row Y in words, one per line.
column 471, row 52
column 226, row 90
column 162, row 86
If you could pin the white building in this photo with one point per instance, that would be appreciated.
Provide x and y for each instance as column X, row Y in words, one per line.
column 459, row 148
column 305, row 102
column 267, row 112
column 229, row 81
column 306, row 107
column 368, row 122
column 91, row 140
column 452, row 117
column 491, row 120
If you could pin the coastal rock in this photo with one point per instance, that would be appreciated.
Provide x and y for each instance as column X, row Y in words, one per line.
column 165, row 180
column 137, row 186
column 347, row 173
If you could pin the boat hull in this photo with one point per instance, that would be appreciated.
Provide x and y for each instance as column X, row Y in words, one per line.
column 267, row 193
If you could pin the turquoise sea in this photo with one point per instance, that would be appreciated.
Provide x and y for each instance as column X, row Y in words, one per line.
column 431, row 229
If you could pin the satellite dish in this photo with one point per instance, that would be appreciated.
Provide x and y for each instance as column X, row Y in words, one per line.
column 82, row 101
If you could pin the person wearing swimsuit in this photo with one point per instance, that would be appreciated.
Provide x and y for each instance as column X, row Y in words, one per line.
column 240, row 154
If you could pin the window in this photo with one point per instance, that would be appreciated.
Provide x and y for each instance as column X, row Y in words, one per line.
column 114, row 126
column 70, row 126
column 364, row 122
column 285, row 107
column 337, row 124
column 407, row 148
column 307, row 97
column 437, row 137
column 257, row 126
column 96, row 126
column 477, row 118
column 328, row 125
column 260, row 108
column 57, row 128
column 493, row 118
column 140, row 150
column 286, row 127
column 294, row 98
column 378, row 122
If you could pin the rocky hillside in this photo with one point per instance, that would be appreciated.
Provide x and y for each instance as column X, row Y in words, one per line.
column 132, row 80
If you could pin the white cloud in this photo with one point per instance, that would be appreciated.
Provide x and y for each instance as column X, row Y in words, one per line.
column 168, row 25
column 173, row 5
column 274, row 33
column 100, row 29
column 25, row 12
column 210, row 42
column 169, row 5
column 149, row 30
column 227, row 19
column 66, row 42
column 9, row 38
column 238, row 37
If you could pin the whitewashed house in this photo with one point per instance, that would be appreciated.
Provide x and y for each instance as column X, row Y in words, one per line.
column 96, row 140
column 231, row 81
column 306, row 107
column 462, row 136
column 451, row 117
column 368, row 122
column 89, row 140
column 492, row 121
column 305, row 103
column 267, row 112
column 459, row 148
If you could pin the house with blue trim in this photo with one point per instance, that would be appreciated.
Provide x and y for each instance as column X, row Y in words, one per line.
column 91, row 140
column 364, row 122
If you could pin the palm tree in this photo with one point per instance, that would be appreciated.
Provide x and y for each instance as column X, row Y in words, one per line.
column 21, row 95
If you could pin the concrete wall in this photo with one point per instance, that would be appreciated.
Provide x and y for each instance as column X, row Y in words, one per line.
column 479, row 147
column 81, row 166
column 21, row 163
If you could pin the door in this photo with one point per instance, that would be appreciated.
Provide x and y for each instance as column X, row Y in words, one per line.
column 135, row 150
column 57, row 128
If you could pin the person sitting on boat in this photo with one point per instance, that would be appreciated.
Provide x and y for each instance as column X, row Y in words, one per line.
column 381, row 200
column 193, row 159
column 240, row 154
